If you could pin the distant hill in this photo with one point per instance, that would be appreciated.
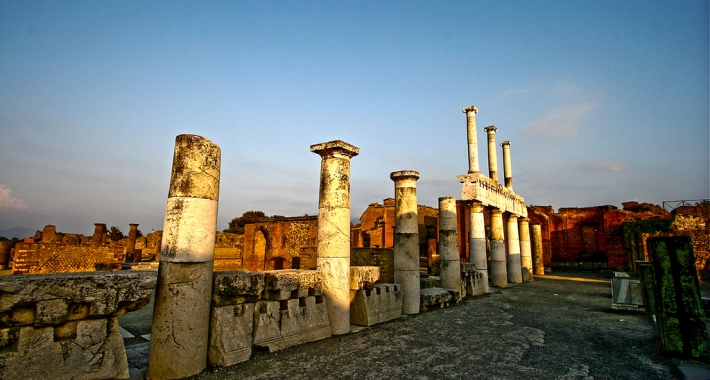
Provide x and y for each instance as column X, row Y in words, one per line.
column 18, row 232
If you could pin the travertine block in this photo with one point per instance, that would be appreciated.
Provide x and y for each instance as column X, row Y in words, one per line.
column 231, row 329
column 361, row 277
column 236, row 287
column 434, row 297
column 286, row 284
column 381, row 303
column 281, row 324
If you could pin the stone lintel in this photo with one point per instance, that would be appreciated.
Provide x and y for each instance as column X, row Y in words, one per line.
column 478, row 187
column 470, row 109
column 336, row 146
column 491, row 129
column 404, row 174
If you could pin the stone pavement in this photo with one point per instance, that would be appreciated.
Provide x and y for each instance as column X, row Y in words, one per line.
column 559, row 326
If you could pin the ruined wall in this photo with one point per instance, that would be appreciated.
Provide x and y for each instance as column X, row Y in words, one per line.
column 273, row 244
column 38, row 258
column 376, row 257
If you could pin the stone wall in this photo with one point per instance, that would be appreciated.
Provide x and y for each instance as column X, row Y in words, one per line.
column 40, row 258
column 376, row 257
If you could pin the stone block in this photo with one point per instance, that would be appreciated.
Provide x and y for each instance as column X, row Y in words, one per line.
column 231, row 329
column 381, row 303
column 429, row 281
column 231, row 288
column 88, row 349
column 456, row 294
column 468, row 268
column 434, row 297
column 281, row 324
column 280, row 285
column 361, row 276
column 475, row 283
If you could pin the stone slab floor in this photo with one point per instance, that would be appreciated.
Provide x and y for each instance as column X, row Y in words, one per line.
column 560, row 326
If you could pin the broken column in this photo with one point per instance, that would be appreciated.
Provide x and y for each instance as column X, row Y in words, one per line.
column 179, row 335
column 525, row 250
column 514, row 266
column 472, row 138
column 131, row 248
column 449, row 258
column 406, row 239
column 507, row 166
column 99, row 232
column 499, row 273
column 334, row 230
column 492, row 155
column 536, row 244
column 477, row 242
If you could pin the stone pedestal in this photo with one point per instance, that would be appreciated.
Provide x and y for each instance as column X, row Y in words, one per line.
column 536, row 245
column 180, row 330
column 449, row 258
column 525, row 249
column 334, row 230
column 406, row 239
column 470, row 112
column 499, row 272
column 477, row 243
column 514, row 265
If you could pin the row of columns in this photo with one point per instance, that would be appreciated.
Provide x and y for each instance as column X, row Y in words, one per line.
column 473, row 166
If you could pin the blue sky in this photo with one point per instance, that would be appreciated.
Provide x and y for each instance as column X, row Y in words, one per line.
column 603, row 102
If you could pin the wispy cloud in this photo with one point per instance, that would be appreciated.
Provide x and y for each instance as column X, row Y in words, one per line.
column 602, row 166
column 10, row 202
column 560, row 123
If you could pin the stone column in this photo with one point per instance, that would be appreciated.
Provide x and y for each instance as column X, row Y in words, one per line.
column 472, row 139
column 499, row 274
column 536, row 242
column 515, row 273
column 179, row 335
column 477, row 242
column 525, row 250
column 492, row 154
column 99, row 231
column 449, row 258
column 131, row 248
column 406, row 239
column 507, row 166
column 333, row 252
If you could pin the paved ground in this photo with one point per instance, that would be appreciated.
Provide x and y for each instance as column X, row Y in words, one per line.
column 557, row 327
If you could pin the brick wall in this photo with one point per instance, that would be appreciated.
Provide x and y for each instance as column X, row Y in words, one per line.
column 376, row 257
column 38, row 258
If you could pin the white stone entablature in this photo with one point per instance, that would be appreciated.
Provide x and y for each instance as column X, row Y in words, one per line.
column 478, row 187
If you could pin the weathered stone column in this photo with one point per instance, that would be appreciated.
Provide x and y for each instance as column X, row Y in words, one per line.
column 179, row 335
column 477, row 242
column 514, row 267
column 472, row 139
column 492, row 154
column 449, row 258
column 131, row 248
column 525, row 252
column 406, row 239
column 334, row 230
column 499, row 273
column 507, row 166
column 536, row 242
column 99, row 231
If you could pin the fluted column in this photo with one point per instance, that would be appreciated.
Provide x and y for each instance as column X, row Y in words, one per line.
column 178, row 344
column 472, row 139
column 507, row 166
column 499, row 272
column 477, row 242
column 406, row 239
column 525, row 252
column 449, row 258
column 536, row 242
column 492, row 154
column 514, row 268
column 334, row 230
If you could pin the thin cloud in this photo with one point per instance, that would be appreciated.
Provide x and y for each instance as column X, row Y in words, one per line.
column 561, row 123
column 603, row 166
column 9, row 202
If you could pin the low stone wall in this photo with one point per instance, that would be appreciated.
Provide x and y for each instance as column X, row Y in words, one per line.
column 64, row 326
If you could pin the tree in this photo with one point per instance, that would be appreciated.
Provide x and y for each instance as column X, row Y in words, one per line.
column 115, row 234
column 236, row 225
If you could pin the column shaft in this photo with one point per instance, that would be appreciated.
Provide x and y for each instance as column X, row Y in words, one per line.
column 499, row 273
column 180, row 329
column 333, row 252
column 507, row 166
column 536, row 242
column 470, row 112
column 449, row 258
column 514, row 268
column 525, row 250
column 131, row 248
column 477, row 241
column 492, row 154
column 406, row 239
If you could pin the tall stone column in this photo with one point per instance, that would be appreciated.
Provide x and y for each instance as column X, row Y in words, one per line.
column 333, row 252
column 449, row 258
column 406, row 239
column 131, row 248
column 507, row 166
column 477, row 242
column 515, row 273
column 99, row 231
column 499, row 272
column 472, row 139
column 525, row 250
column 536, row 242
column 492, row 154
column 179, row 334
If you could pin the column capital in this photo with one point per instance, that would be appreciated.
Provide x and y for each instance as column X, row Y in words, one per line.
column 331, row 148
column 133, row 224
column 505, row 144
column 100, row 224
column 490, row 129
column 496, row 211
column 404, row 174
column 469, row 109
